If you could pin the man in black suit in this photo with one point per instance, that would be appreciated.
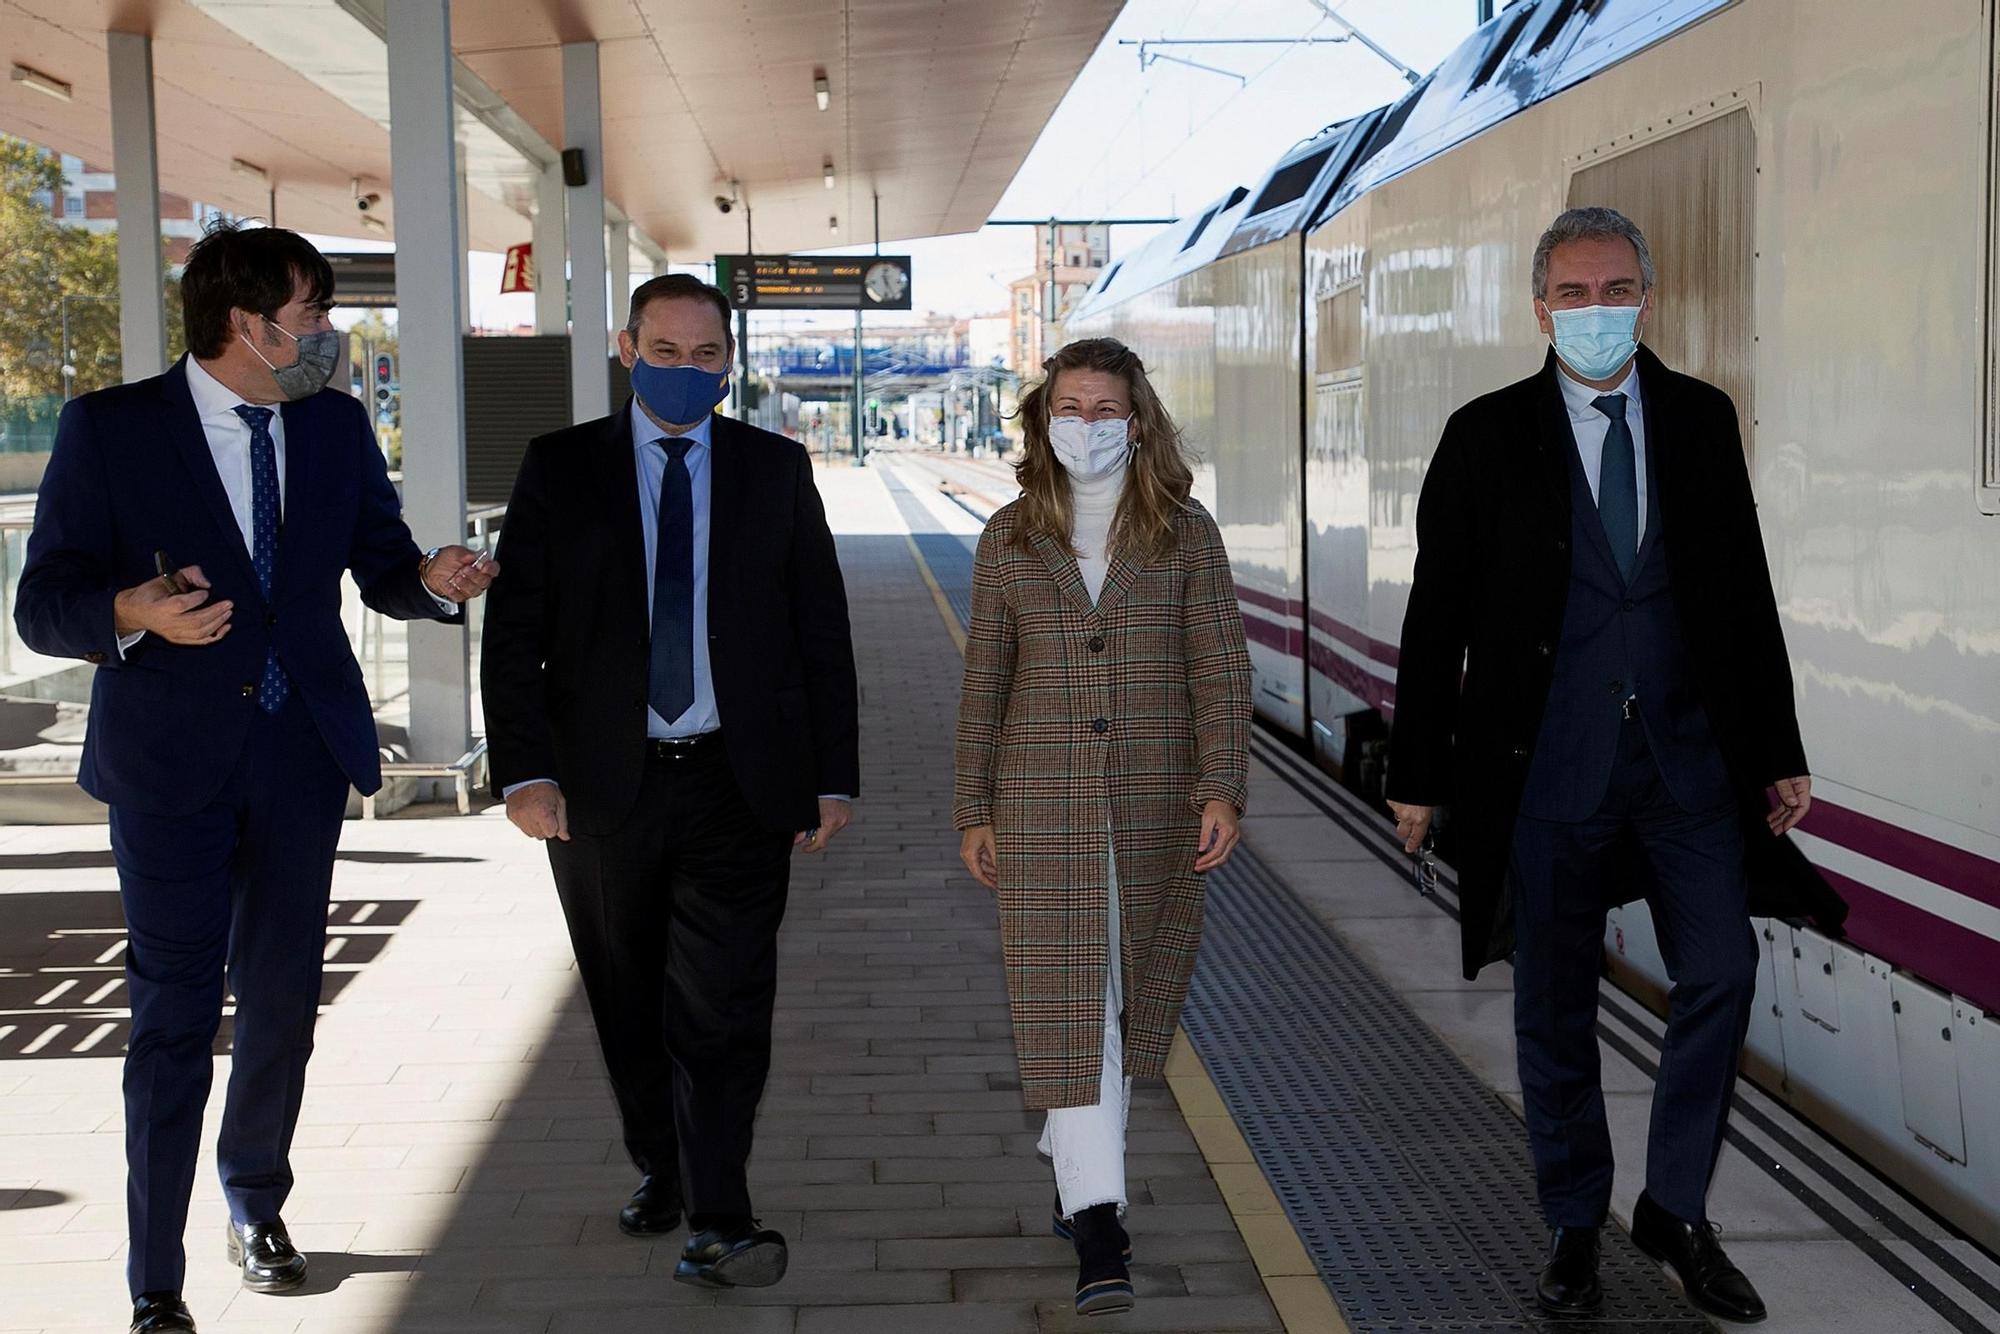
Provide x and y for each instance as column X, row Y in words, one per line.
column 1594, row 679
column 671, row 703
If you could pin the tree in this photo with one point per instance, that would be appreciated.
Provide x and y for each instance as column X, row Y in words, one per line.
column 42, row 261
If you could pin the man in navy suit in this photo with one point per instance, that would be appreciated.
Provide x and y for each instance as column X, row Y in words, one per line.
column 228, row 716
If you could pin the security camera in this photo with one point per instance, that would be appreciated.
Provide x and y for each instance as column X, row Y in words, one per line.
column 723, row 203
column 367, row 201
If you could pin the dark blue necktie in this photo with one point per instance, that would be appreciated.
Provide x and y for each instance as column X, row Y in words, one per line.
column 264, row 515
column 670, row 687
column 1618, row 486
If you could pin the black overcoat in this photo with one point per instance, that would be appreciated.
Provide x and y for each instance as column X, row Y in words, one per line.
column 1485, row 622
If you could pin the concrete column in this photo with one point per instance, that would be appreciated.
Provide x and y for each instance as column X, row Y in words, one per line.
column 619, row 246
column 551, row 254
column 135, row 157
column 430, row 274
column 464, row 197
column 590, row 342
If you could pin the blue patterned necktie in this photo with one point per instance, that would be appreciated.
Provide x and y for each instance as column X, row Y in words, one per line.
column 670, row 684
column 1618, row 486
column 264, row 515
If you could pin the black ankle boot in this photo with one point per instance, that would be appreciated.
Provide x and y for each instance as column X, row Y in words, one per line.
column 1103, row 1284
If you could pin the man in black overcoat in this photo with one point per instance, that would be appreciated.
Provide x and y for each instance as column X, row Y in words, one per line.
column 1594, row 681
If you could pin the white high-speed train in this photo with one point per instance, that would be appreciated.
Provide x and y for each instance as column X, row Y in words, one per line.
column 1818, row 180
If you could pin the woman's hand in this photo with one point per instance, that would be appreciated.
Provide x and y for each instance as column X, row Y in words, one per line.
column 1219, row 835
column 975, row 849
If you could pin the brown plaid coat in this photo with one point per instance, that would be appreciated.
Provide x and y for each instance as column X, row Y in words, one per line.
column 1129, row 716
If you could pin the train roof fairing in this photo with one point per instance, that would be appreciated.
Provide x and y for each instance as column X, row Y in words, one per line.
column 1525, row 54
column 1189, row 244
column 1291, row 194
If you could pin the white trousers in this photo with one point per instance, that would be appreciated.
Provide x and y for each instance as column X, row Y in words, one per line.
column 1088, row 1143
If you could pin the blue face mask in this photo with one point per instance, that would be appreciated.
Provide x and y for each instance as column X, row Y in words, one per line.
column 1594, row 341
column 678, row 395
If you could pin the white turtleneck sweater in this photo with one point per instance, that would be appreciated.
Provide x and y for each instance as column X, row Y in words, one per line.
column 1095, row 504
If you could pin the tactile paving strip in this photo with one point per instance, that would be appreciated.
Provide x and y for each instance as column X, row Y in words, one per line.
column 1407, row 1179
column 946, row 553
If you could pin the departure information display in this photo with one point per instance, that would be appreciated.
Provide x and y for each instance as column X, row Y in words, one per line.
column 815, row 282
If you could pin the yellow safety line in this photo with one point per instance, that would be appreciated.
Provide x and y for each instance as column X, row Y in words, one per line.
column 951, row 625
column 1290, row 1280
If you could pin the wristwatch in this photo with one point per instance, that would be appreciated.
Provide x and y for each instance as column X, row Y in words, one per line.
column 424, row 565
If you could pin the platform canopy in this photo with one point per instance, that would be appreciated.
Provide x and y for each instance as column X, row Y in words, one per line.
column 930, row 103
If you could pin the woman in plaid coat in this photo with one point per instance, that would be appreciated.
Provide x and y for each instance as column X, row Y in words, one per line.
column 1103, row 746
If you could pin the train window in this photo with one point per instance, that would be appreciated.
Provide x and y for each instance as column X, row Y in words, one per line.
column 1290, row 182
column 1199, row 228
column 1692, row 193
column 1496, row 55
column 1559, row 17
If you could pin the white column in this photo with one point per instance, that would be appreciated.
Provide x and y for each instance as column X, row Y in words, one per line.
column 590, row 341
column 464, row 195
column 135, row 157
column 430, row 272
column 551, row 254
column 620, row 259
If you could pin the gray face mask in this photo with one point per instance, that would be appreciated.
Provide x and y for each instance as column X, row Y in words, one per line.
column 318, row 353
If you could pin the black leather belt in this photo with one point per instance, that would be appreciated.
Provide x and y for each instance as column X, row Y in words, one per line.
column 681, row 748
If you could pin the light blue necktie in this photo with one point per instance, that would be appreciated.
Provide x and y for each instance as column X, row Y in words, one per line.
column 1618, row 486
column 273, row 690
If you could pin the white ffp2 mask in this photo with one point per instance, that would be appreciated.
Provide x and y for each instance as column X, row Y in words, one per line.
column 1089, row 450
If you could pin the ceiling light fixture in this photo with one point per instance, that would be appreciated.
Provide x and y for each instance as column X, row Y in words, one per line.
column 833, row 226
column 374, row 224
column 242, row 168
column 822, row 90
column 56, row 88
column 828, row 169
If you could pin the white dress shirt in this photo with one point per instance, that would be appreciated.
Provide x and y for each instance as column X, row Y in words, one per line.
column 1590, row 426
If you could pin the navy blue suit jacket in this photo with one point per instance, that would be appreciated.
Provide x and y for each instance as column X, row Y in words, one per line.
column 132, row 474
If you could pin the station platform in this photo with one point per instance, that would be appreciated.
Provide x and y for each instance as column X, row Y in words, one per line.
column 1336, row 1145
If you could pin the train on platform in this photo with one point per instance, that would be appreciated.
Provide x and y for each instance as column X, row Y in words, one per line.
column 1818, row 184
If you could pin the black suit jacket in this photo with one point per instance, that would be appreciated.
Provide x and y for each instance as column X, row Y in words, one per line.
column 1486, row 612
column 567, row 646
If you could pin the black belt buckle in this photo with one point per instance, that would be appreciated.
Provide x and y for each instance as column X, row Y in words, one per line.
column 679, row 748
column 1629, row 710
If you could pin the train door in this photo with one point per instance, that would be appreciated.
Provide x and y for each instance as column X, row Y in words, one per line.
column 1693, row 192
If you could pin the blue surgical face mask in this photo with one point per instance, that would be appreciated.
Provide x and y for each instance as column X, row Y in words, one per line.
column 678, row 395
column 1594, row 341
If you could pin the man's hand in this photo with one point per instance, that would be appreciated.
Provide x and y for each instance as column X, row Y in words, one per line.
column 975, row 849
column 834, row 815
column 1794, row 800
column 1219, row 835
column 1412, row 823
column 539, row 811
column 458, row 574
column 179, row 618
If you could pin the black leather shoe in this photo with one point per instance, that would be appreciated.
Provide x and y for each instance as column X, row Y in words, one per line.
column 736, row 1255
column 269, row 1260
column 1568, row 1283
column 1103, row 1283
column 1691, row 1250
column 654, row 1208
column 160, row 1313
